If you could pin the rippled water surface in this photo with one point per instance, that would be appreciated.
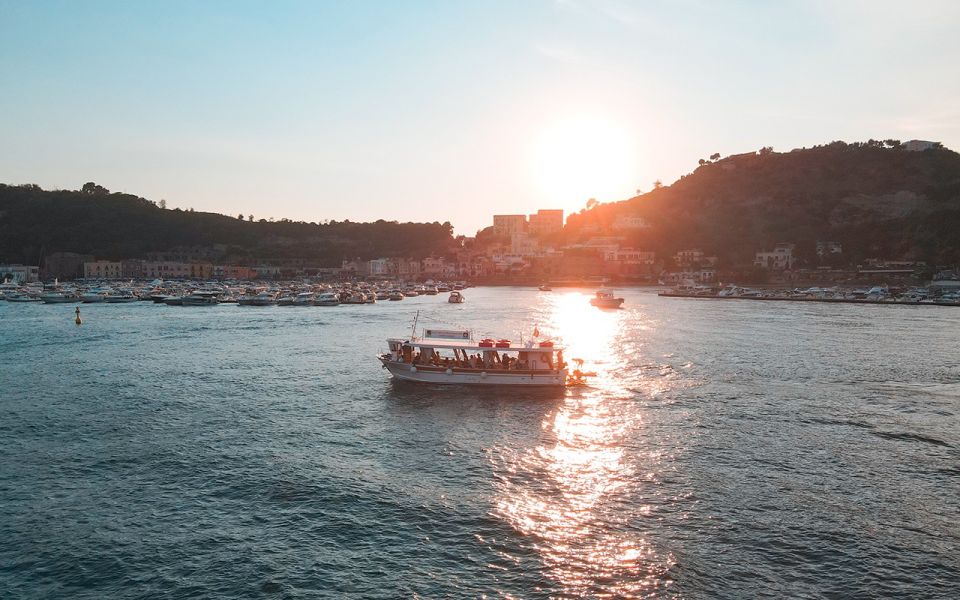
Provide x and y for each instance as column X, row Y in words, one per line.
column 726, row 449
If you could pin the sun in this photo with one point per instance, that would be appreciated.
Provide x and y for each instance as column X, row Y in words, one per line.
column 584, row 157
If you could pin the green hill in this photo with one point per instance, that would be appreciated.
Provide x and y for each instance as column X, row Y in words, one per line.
column 116, row 226
column 878, row 200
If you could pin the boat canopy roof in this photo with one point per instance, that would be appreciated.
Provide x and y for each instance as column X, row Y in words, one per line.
column 474, row 345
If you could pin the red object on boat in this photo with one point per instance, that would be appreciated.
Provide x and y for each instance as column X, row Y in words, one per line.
column 486, row 343
column 503, row 343
column 546, row 344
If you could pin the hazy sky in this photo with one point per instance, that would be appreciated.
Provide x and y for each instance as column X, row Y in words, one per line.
column 450, row 110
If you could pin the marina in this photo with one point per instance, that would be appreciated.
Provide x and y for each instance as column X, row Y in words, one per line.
column 947, row 295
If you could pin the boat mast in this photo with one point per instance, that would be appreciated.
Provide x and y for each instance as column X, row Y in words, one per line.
column 413, row 332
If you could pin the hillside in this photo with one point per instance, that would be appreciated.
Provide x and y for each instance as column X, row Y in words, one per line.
column 877, row 201
column 116, row 226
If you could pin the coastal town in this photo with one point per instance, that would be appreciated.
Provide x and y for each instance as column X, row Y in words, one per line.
column 516, row 249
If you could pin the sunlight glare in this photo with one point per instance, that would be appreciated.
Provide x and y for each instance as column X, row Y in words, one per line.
column 584, row 157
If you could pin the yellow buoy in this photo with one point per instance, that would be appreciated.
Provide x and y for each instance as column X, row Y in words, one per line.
column 78, row 321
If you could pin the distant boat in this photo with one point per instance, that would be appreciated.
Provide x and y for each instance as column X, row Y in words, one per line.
column 545, row 288
column 606, row 299
column 456, row 298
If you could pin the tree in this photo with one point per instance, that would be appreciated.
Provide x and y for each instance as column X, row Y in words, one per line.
column 657, row 184
column 250, row 218
column 591, row 203
column 93, row 189
column 701, row 162
column 715, row 156
column 162, row 204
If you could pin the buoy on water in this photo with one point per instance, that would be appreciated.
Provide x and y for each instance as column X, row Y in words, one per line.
column 77, row 320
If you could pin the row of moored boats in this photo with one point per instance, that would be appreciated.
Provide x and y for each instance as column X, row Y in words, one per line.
column 211, row 293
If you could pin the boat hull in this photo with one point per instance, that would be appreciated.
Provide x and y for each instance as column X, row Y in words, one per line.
column 607, row 302
column 60, row 299
column 436, row 375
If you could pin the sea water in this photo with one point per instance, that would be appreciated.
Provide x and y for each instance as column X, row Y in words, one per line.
column 723, row 450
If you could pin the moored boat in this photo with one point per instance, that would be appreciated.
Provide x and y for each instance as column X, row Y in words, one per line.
column 456, row 298
column 327, row 299
column 201, row 298
column 59, row 298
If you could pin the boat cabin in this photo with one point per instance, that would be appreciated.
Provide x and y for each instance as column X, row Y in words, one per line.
column 455, row 350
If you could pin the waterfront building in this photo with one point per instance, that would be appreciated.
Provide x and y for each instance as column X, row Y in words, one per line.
column 507, row 225
column 132, row 269
column 630, row 256
column 437, row 267
column 779, row 259
column 19, row 273
column 103, row 269
column 547, row 220
column 686, row 258
column 267, row 272
column 176, row 270
column 378, row 267
column 233, row 272
column 686, row 277
column 408, row 268
column 829, row 248
column 64, row 265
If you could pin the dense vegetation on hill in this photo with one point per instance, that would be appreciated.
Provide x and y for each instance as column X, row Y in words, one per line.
column 875, row 198
column 115, row 226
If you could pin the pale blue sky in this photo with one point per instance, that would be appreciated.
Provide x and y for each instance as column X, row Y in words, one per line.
column 450, row 110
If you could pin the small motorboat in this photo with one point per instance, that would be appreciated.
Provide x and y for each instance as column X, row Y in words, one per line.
column 545, row 288
column 606, row 299
column 456, row 298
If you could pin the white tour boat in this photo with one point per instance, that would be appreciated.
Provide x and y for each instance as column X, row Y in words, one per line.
column 453, row 357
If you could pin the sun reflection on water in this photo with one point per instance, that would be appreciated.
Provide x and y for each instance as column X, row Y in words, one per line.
column 575, row 494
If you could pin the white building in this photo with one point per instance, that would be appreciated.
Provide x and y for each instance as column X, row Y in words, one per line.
column 19, row 273
column 685, row 258
column 630, row 256
column 779, row 259
column 918, row 145
column 379, row 267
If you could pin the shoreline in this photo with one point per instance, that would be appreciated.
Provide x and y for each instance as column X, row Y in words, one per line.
column 827, row 300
